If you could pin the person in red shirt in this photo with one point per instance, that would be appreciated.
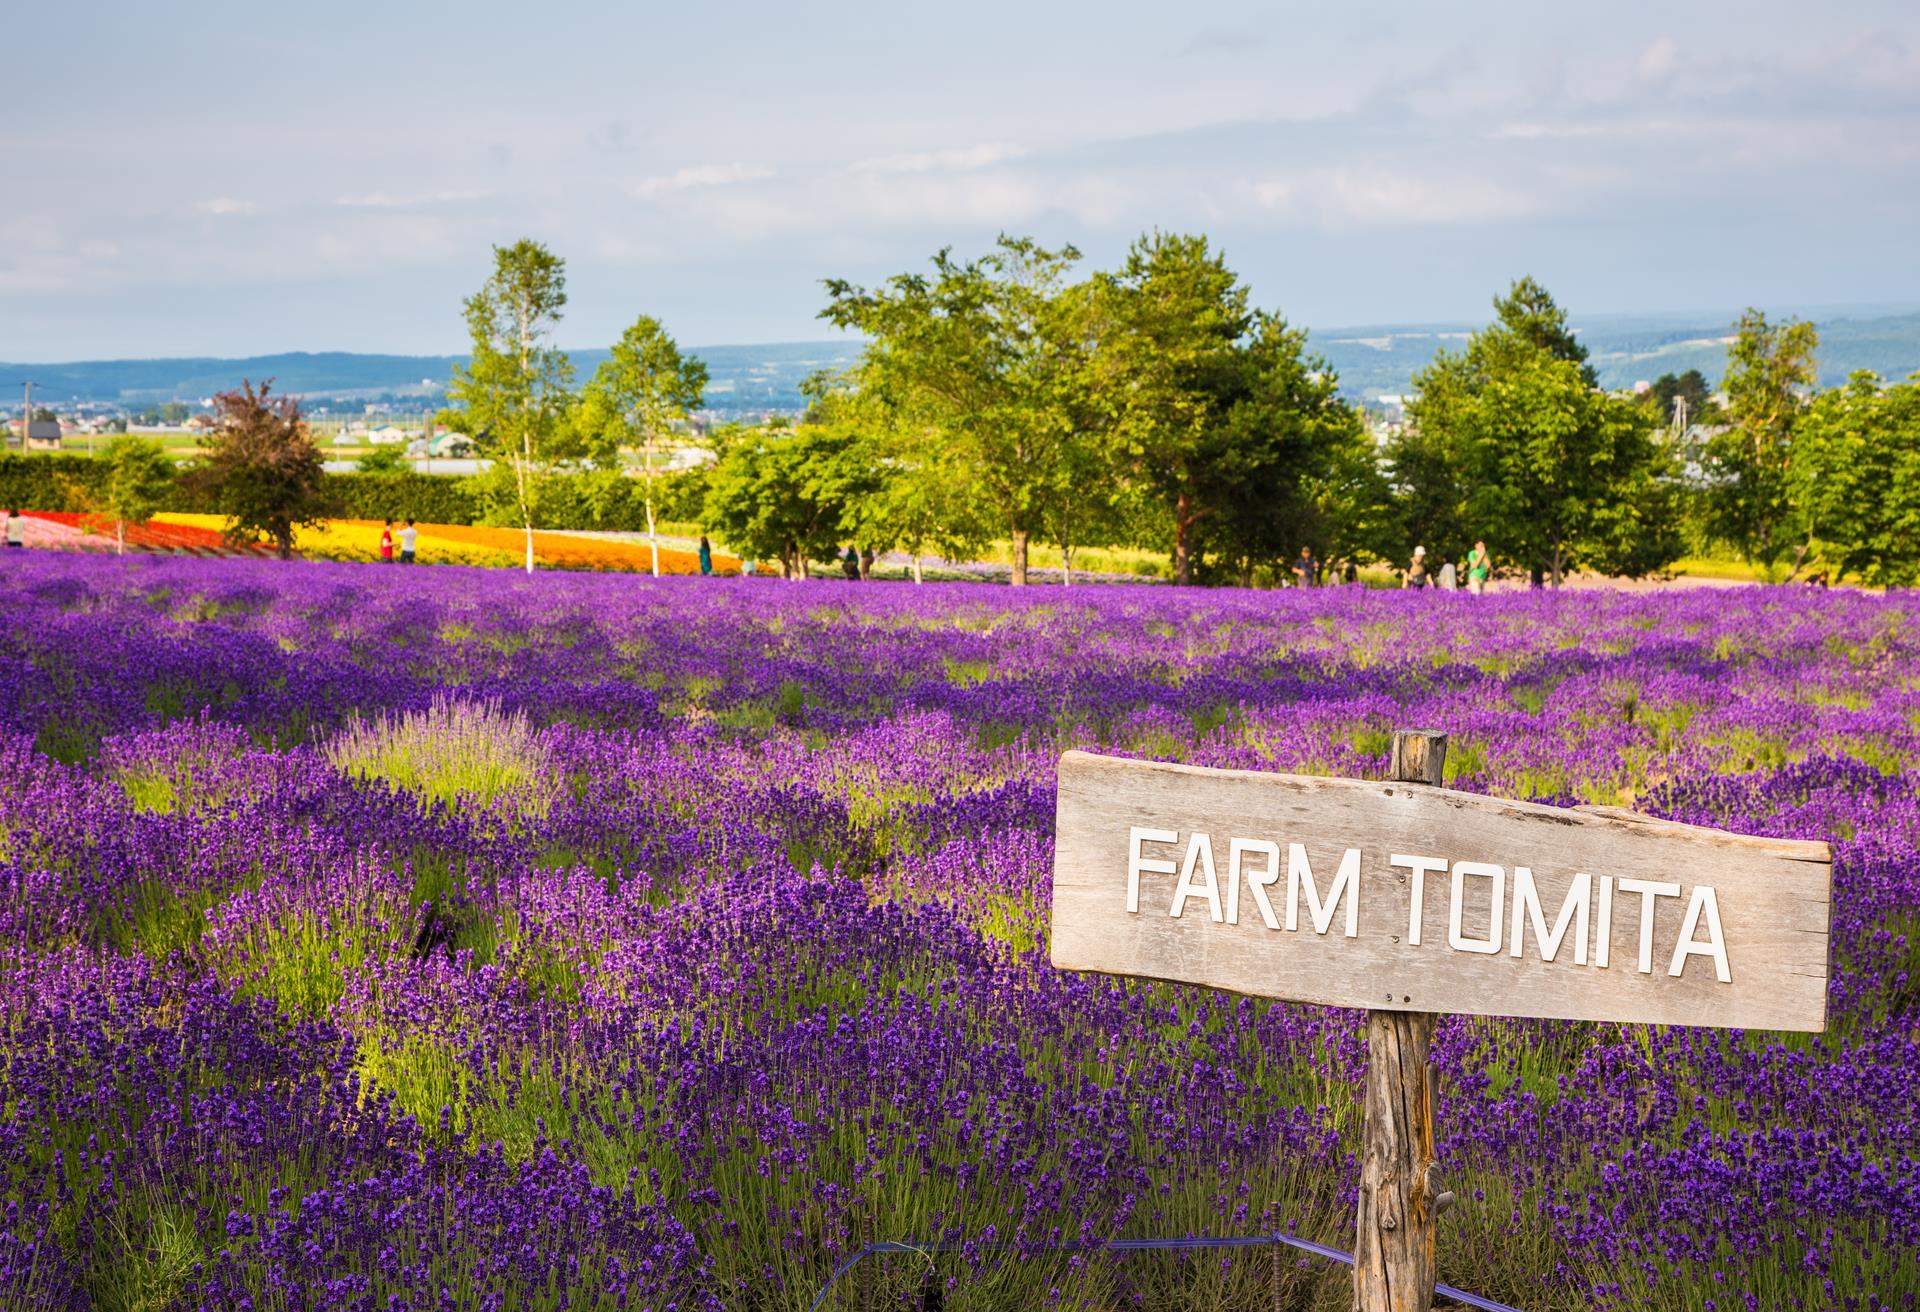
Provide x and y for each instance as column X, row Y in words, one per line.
column 386, row 544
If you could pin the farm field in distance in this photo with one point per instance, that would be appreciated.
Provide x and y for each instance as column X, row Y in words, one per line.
column 388, row 939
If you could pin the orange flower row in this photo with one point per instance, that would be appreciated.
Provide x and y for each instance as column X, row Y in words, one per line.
column 568, row 552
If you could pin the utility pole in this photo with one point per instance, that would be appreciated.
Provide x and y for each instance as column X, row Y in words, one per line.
column 26, row 416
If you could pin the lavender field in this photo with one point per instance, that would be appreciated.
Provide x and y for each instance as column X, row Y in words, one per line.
column 382, row 939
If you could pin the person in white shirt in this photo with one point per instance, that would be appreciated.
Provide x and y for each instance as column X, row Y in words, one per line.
column 409, row 538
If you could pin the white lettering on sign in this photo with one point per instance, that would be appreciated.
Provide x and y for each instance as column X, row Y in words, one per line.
column 1510, row 907
column 1365, row 894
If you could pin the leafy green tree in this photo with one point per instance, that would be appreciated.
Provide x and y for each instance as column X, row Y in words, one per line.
column 1168, row 365
column 787, row 492
column 1529, row 312
column 641, row 396
column 513, row 396
column 969, row 360
column 1351, row 515
column 1220, row 418
column 1690, row 387
column 1510, row 441
column 263, row 466
column 139, row 475
column 1855, row 477
column 387, row 459
column 173, row 412
column 1281, row 448
column 915, row 496
column 1748, row 493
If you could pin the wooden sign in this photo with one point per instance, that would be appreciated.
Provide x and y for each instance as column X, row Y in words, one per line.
column 1398, row 896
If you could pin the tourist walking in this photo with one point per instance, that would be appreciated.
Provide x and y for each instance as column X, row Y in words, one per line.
column 706, row 556
column 1479, row 566
column 16, row 529
column 386, row 544
column 1417, row 570
column 409, row 539
column 1306, row 570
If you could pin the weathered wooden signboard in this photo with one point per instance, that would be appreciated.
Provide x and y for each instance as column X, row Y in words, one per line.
column 1395, row 895
column 1409, row 899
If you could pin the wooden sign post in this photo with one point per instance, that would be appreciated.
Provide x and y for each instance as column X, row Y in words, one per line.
column 1412, row 900
column 1400, row 1198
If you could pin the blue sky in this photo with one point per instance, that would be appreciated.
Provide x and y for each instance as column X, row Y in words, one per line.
column 235, row 179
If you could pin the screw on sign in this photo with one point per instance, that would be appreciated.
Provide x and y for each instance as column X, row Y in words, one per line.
column 1412, row 900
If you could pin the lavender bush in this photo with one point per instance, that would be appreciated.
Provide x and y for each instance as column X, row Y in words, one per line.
column 588, row 942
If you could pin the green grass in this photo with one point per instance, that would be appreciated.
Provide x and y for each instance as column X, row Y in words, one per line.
column 458, row 754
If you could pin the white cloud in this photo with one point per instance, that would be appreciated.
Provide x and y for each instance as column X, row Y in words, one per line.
column 226, row 205
column 700, row 176
column 1659, row 60
column 1389, row 196
column 961, row 160
column 384, row 200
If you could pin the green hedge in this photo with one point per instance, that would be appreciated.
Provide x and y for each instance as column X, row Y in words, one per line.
column 423, row 497
column 594, row 501
column 51, row 482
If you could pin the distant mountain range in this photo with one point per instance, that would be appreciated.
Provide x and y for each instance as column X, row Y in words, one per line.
column 742, row 379
column 1372, row 361
column 1379, row 360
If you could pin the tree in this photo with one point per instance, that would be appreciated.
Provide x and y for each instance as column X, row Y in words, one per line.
column 1748, row 492
column 139, row 474
column 174, row 413
column 1173, row 319
column 1510, row 440
column 786, row 492
column 388, row 459
column 915, row 497
column 1529, row 312
column 1286, row 442
column 1220, row 418
column 638, row 396
column 969, row 361
column 1855, row 477
column 1690, row 387
column 512, row 397
column 264, row 466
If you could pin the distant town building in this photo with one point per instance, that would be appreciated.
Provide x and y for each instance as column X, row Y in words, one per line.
column 43, row 435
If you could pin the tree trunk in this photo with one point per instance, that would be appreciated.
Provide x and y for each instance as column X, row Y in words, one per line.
column 916, row 568
column 653, row 542
column 1559, row 560
column 1066, row 564
column 526, row 503
column 1019, row 558
column 1182, row 563
column 120, row 535
column 865, row 562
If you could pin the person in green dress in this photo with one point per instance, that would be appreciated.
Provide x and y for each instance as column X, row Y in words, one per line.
column 1479, row 566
